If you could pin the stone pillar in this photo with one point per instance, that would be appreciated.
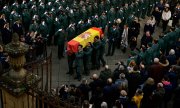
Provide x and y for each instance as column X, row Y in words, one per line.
column 17, row 83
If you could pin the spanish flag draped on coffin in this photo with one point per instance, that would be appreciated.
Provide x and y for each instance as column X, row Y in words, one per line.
column 83, row 39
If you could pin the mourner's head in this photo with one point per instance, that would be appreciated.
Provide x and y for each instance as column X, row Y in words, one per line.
column 148, row 33
column 156, row 9
column 80, row 47
column 88, row 44
column 125, row 26
column 96, row 38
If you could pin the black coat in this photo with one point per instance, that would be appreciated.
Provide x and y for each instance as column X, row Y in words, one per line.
column 2, row 22
column 18, row 29
column 146, row 101
column 148, row 28
column 145, row 40
column 6, row 36
column 134, row 80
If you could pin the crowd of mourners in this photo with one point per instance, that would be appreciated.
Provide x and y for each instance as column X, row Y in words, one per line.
column 149, row 79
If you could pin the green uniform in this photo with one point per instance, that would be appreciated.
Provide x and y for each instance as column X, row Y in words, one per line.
column 111, row 15
column 31, row 3
column 87, row 60
column 96, row 54
column 63, row 3
column 6, row 11
column 26, row 18
column 33, row 27
column 41, row 10
column 101, row 8
column 49, row 6
column 43, row 30
column 177, row 33
column 126, row 13
column 83, row 14
column 71, row 33
column 140, row 9
column 103, row 21
column 120, row 14
column 149, row 56
column 150, row 7
column 130, row 20
column 24, row 6
column 15, row 6
column 102, row 51
column 89, row 10
column 156, row 50
column 76, row 15
column 141, row 55
column 79, row 64
column 57, row 24
column 96, row 22
column 166, row 42
column 144, row 8
column 14, row 17
column 161, row 44
column 63, row 20
column 60, row 36
column 71, row 16
column 172, row 38
column 95, row 9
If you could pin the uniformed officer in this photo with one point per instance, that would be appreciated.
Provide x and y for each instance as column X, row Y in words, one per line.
column 102, row 51
column 79, row 62
column 96, row 21
column 111, row 15
column 43, row 29
column 120, row 15
column 50, row 25
column 83, row 13
column 60, row 34
column 101, row 8
column 71, row 32
column 63, row 19
column 87, row 58
column 149, row 54
column 96, row 52
column 34, row 26
column 112, row 37
column 26, row 18
column 161, row 43
column 103, row 21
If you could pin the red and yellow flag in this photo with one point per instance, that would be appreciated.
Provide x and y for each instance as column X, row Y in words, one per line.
column 83, row 39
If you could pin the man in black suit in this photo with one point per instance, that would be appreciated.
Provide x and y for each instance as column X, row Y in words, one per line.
column 17, row 28
column 6, row 34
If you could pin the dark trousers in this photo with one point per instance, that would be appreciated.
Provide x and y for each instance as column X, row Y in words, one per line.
column 111, row 47
column 164, row 24
column 79, row 70
column 60, row 51
column 101, row 59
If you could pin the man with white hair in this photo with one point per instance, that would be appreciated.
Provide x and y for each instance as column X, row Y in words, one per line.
column 158, row 96
column 104, row 105
column 171, row 57
column 156, row 71
column 122, row 80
